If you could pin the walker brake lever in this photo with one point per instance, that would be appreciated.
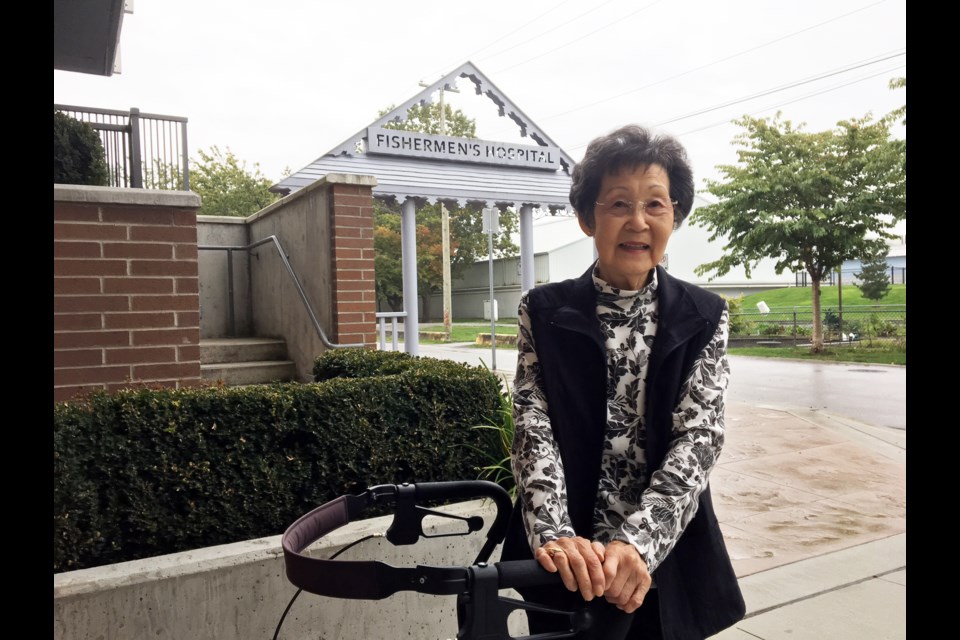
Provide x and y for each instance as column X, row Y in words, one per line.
column 407, row 525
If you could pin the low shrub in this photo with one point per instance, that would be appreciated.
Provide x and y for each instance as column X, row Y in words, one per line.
column 146, row 472
column 771, row 329
column 882, row 327
column 78, row 155
column 740, row 323
column 362, row 363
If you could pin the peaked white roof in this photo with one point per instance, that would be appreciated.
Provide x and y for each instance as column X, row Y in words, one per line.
column 431, row 180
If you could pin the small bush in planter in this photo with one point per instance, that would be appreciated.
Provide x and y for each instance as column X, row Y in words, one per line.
column 78, row 156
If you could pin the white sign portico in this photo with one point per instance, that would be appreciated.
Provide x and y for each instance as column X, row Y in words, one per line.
column 423, row 145
column 413, row 169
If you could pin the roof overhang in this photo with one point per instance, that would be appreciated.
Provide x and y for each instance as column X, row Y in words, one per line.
column 86, row 35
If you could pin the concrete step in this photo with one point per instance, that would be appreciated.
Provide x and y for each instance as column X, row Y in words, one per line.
column 250, row 372
column 218, row 350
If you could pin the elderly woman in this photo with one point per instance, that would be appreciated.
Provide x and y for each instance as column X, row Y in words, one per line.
column 619, row 413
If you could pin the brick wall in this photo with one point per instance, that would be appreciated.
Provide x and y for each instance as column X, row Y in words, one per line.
column 354, row 290
column 125, row 289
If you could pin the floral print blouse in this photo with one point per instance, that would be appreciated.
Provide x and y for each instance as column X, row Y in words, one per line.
column 648, row 508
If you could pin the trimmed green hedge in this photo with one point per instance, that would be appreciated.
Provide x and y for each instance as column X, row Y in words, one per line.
column 146, row 472
column 364, row 363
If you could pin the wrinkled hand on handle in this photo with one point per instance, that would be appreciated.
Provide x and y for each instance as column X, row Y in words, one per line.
column 617, row 572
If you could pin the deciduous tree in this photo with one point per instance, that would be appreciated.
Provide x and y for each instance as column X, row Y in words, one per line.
column 226, row 186
column 425, row 118
column 468, row 243
column 809, row 201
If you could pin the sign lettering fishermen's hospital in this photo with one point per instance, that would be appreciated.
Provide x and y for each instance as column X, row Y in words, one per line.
column 422, row 145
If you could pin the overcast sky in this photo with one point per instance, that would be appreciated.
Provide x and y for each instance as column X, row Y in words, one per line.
column 283, row 82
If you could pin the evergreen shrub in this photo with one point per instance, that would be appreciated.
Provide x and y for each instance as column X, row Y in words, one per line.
column 78, row 156
column 147, row 472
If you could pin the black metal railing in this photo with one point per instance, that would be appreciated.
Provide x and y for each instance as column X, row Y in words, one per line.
column 143, row 150
column 794, row 325
column 898, row 275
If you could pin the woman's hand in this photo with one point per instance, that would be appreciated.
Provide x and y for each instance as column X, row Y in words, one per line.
column 627, row 578
column 579, row 561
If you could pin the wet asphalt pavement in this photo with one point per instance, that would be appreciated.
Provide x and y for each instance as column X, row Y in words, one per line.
column 870, row 393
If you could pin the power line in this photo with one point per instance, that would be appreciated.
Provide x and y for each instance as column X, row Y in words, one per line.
column 536, row 18
column 563, row 24
column 710, row 64
column 777, row 106
column 583, row 37
column 782, row 104
column 551, row 30
column 784, row 87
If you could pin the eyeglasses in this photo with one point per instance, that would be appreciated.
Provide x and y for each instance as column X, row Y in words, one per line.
column 653, row 207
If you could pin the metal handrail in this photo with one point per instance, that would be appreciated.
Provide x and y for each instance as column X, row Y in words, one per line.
column 293, row 276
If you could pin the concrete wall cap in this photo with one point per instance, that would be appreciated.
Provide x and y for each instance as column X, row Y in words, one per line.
column 114, row 195
column 221, row 219
column 197, row 561
column 349, row 178
column 322, row 184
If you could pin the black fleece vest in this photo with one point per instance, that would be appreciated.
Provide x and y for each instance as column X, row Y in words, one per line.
column 699, row 594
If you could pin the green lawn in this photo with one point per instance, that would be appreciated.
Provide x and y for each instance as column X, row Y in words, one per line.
column 468, row 332
column 800, row 297
column 877, row 354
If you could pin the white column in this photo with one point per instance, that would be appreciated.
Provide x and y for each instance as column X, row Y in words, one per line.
column 527, row 266
column 408, row 252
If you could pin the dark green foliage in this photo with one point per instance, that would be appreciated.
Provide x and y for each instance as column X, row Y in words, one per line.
column 874, row 276
column 499, row 432
column 831, row 320
column 360, row 363
column 78, row 156
column 771, row 329
column 148, row 472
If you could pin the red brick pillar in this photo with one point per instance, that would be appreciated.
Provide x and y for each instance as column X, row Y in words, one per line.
column 126, row 308
column 354, row 288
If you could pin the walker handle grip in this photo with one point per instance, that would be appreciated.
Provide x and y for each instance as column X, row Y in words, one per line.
column 525, row 573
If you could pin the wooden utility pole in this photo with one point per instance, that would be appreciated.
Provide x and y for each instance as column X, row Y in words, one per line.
column 445, row 233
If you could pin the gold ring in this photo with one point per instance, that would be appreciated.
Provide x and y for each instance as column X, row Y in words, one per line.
column 553, row 551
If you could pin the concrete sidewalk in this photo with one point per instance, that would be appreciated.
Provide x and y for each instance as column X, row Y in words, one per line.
column 813, row 509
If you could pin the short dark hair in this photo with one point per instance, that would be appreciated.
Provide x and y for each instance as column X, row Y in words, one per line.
column 629, row 147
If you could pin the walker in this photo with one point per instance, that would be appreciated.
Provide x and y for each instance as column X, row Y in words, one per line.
column 481, row 611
